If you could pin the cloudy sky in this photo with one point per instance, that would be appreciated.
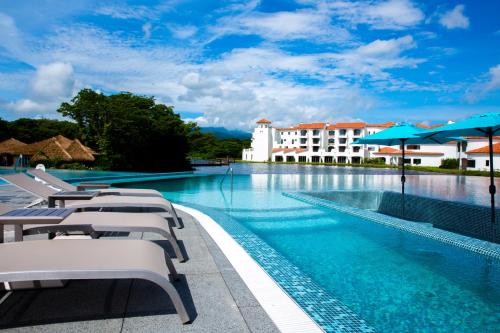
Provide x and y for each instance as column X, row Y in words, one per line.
column 229, row 63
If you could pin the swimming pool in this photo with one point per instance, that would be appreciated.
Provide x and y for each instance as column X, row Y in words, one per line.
column 346, row 271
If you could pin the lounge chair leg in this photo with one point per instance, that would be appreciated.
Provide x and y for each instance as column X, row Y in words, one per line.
column 173, row 241
column 174, row 215
column 176, row 299
column 173, row 272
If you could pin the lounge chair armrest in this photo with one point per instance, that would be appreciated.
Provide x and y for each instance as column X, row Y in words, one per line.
column 84, row 186
column 16, row 220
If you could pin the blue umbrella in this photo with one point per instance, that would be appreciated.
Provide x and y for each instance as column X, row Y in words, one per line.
column 403, row 134
column 485, row 125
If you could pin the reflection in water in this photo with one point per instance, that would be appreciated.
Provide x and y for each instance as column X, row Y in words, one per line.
column 283, row 178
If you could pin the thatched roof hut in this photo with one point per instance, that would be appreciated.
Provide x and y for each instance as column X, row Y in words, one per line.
column 79, row 152
column 59, row 147
column 50, row 149
column 11, row 146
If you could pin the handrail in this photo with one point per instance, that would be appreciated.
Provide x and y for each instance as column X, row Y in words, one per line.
column 229, row 170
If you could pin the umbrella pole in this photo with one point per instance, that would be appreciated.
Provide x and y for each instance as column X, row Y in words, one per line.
column 492, row 178
column 403, row 180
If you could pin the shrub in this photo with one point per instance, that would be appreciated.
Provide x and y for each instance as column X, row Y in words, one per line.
column 449, row 163
column 376, row 160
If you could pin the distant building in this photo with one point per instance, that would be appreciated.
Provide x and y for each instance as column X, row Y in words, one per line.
column 333, row 143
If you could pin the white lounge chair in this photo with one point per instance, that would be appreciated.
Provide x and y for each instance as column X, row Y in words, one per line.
column 50, row 260
column 116, row 203
column 101, row 187
column 54, row 220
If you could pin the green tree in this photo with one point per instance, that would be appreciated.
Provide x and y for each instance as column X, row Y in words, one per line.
column 131, row 132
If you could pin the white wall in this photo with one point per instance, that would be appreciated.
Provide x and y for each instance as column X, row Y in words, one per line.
column 481, row 160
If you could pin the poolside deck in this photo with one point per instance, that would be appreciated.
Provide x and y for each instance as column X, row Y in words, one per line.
column 213, row 292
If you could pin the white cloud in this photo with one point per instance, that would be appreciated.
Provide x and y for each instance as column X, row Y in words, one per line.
column 125, row 12
column 182, row 31
column 391, row 14
column 313, row 25
column 53, row 81
column 231, row 90
column 10, row 37
column 374, row 58
column 490, row 84
column 455, row 18
column 51, row 84
column 146, row 29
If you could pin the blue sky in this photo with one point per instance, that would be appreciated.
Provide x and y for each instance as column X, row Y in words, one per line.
column 229, row 63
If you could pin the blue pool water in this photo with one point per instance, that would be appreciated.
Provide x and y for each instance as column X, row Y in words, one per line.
column 394, row 280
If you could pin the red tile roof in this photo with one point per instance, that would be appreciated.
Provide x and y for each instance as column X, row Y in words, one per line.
column 486, row 149
column 312, row 126
column 263, row 121
column 348, row 125
column 393, row 151
column 384, row 125
column 429, row 127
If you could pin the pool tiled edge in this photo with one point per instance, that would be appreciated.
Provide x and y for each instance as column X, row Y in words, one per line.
column 425, row 230
column 329, row 313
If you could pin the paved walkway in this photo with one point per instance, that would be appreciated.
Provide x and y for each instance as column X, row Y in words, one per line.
column 213, row 292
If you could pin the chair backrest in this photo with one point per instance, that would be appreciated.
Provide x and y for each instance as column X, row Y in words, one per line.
column 52, row 180
column 30, row 185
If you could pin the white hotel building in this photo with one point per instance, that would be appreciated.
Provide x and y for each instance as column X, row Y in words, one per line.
column 333, row 143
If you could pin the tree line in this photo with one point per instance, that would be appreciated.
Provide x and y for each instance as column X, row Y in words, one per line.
column 129, row 132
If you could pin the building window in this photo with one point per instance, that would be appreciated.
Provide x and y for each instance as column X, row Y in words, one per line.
column 331, row 132
column 315, row 149
column 303, row 132
column 278, row 158
column 342, row 159
column 357, row 132
column 371, row 148
column 407, row 160
column 303, row 141
column 302, row 159
column 341, row 149
column 356, row 160
column 471, row 163
column 315, row 132
column 413, row 147
column 331, row 140
column 343, row 132
column 487, row 163
column 356, row 149
column 290, row 159
column 288, row 133
column 315, row 141
column 342, row 141
column 281, row 141
column 417, row 161
column 328, row 159
column 331, row 148
column 315, row 159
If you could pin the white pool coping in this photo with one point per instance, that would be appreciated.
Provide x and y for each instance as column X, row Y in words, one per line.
column 286, row 314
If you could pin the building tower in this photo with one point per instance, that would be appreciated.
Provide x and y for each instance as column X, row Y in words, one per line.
column 262, row 141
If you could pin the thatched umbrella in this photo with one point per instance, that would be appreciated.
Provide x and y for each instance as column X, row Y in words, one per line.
column 11, row 147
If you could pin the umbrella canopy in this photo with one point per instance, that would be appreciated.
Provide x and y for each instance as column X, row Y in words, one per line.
column 403, row 132
column 478, row 125
column 486, row 125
